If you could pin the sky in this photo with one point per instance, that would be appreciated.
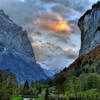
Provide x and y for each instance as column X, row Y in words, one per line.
column 52, row 28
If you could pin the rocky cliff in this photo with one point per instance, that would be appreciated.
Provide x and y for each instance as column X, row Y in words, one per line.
column 16, row 52
column 89, row 25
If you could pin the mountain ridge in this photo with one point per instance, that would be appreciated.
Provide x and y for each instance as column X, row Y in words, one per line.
column 16, row 52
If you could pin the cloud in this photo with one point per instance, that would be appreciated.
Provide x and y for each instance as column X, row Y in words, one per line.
column 39, row 17
column 52, row 57
column 52, row 22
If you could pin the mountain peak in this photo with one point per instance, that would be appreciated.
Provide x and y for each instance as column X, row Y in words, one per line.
column 16, row 52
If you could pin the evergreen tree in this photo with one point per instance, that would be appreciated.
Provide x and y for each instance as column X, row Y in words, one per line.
column 26, row 85
column 46, row 94
column 32, row 84
column 40, row 89
column 8, row 85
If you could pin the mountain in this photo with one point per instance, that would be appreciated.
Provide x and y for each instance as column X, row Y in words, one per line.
column 89, row 25
column 85, row 64
column 89, row 60
column 16, row 52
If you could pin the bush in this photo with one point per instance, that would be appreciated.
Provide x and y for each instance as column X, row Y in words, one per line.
column 17, row 98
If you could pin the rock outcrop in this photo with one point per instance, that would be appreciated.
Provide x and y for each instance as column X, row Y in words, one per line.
column 89, row 25
column 16, row 52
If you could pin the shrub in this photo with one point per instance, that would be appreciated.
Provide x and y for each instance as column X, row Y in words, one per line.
column 17, row 98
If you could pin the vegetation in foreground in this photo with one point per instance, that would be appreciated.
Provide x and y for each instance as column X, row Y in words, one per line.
column 84, row 87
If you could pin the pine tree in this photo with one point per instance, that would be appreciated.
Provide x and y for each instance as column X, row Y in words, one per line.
column 46, row 94
column 40, row 89
column 26, row 85
column 32, row 84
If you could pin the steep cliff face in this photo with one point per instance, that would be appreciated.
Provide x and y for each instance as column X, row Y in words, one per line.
column 16, row 52
column 89, row 25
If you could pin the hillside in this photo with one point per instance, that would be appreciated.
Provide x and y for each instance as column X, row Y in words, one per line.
column 86, row 63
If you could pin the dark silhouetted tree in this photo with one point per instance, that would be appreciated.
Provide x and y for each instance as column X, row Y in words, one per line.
column 46, row 94
column 26, row 85
column 40, row 89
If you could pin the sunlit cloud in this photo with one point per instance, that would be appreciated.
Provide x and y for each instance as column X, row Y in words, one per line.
column 67, row 49
column 52, row 22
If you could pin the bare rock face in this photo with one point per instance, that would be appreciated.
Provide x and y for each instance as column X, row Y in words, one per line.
column 89, row 25
column 16, row 52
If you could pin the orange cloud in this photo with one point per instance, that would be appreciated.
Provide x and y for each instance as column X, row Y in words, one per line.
column 53, row 23
column 37, row 43
column 54, row 45
column 40, row 44
column 67, row 49
column 61, row 25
